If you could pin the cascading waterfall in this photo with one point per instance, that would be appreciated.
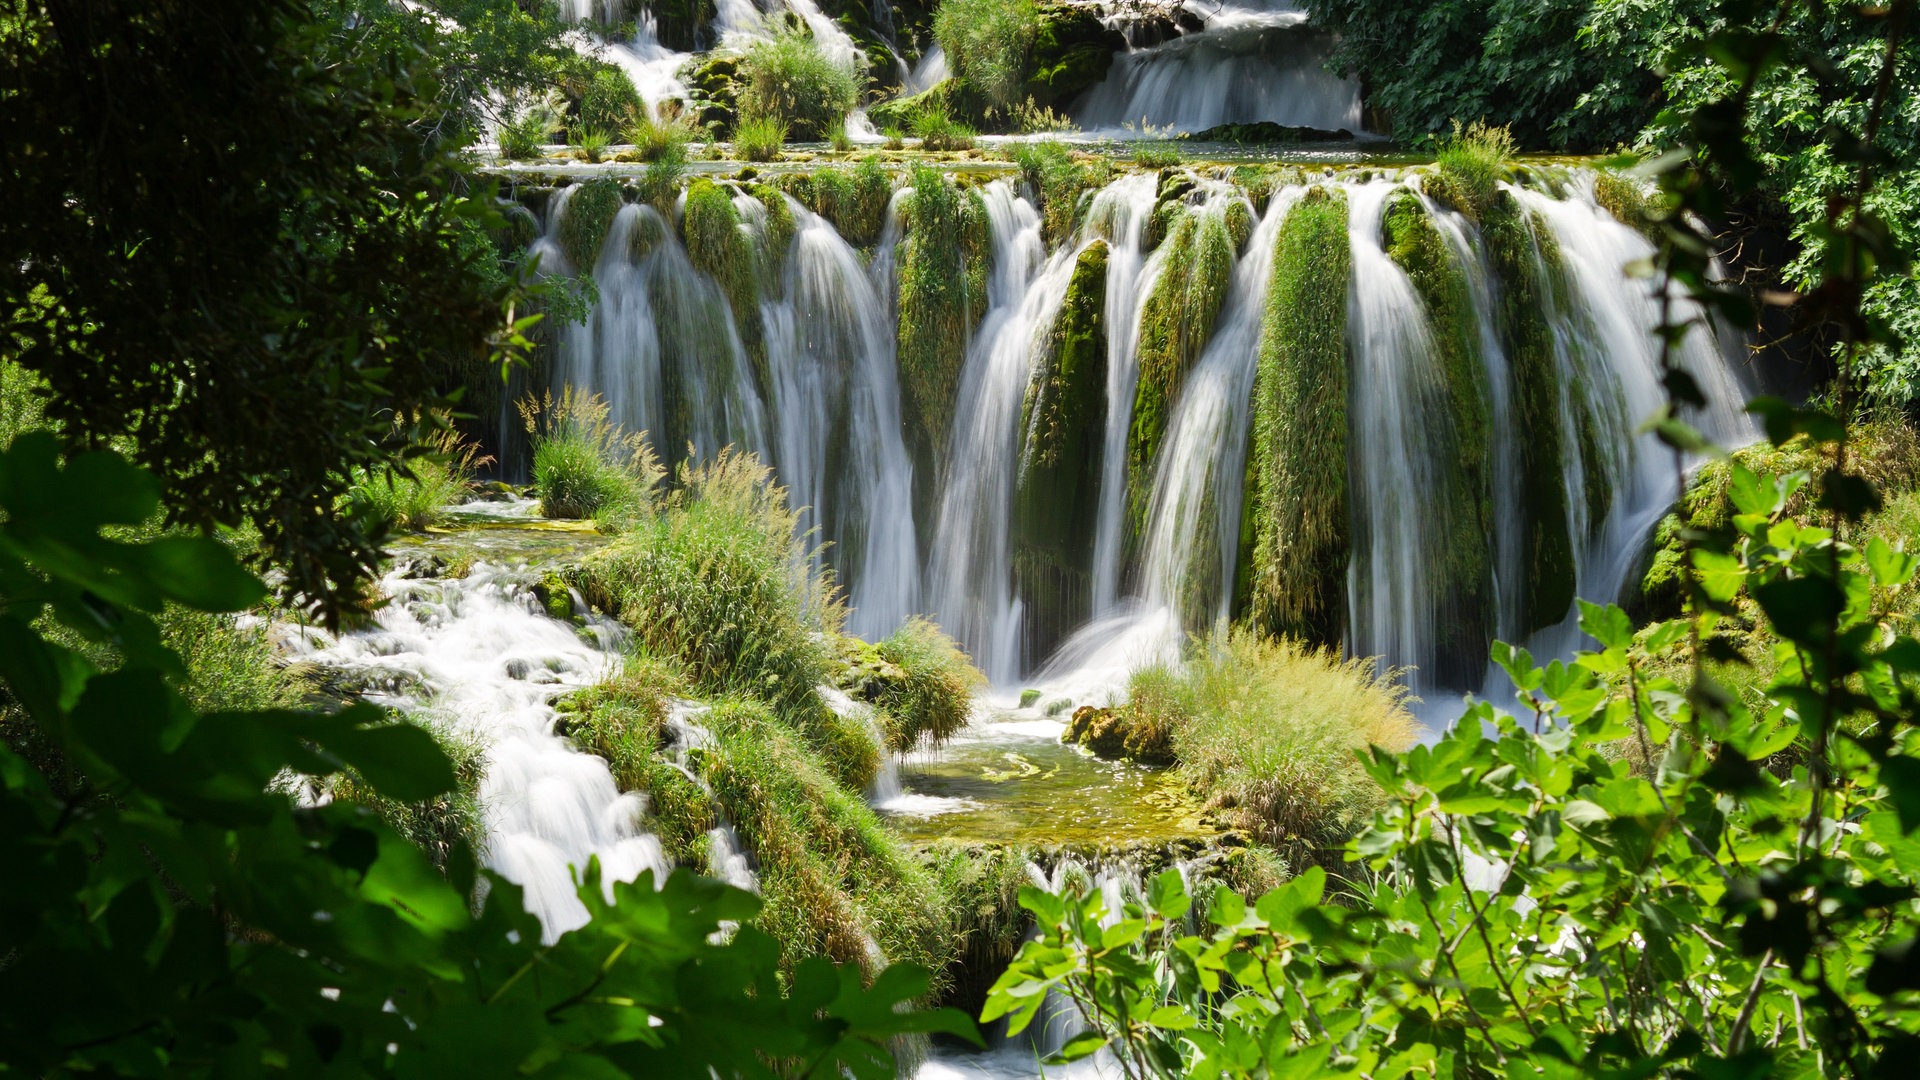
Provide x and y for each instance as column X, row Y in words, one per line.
column 830, row 423
column 479, row 655
column 970, row 573
column 1251, row 62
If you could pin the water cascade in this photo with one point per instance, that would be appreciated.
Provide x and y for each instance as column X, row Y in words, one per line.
column 1497, row 369
column 1251, row 61
column 477, row 655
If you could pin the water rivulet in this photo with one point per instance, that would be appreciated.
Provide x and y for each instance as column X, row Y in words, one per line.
column 1340, row 408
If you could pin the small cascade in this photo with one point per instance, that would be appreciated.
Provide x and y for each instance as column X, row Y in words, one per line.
column 1250, row 62
column 740, row 23
column 830, row 351
column 653, row 68
column 478, row 655
column 970, row 573
column 929, row 72
column 661, row 345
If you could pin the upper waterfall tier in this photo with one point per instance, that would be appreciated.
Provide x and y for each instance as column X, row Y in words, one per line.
column 1335, row 407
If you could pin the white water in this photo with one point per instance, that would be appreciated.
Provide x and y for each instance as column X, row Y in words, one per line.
column 1251, row 62
column 477, row 654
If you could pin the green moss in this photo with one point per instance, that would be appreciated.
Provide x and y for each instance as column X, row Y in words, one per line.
column 1120, row 734
column 1464, row 431
column 1071, row 52
column 942, row 280
column 1057, row 182
column 1057, row 501
column 585, row 218
column 854, row 200
column 1628, row 202
column 1175, row 323
column 1526, row 296
column 1240, row 222
column 719, row 248
column 1298, row 469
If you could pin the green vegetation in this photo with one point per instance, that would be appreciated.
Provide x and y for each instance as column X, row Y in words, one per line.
column 942, row 276
column 1298, row 469
column 718, row 247
column 1176, row 322
column 21, row 402
column 1472, row 163
column 919, row 680
column 1157, row 156
column 584, row 465
column 786, row 78
column 1057, row 180
column 522, row 137
column 710, row 582
column 937, row 130
column 656, row 140
column 609, row 103
column 414, row 493
column 759, row 138
column 988, row 44
column 1056, row 505
column 855, row 200
column 1267, row 730
column 587, row 215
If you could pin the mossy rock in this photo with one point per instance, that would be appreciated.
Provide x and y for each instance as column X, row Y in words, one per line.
column 713, row 90
column 1460, row 502
column 677, row 23
column 1628, row 203
column 942, row 294
column 1072, row 50
column 719, row 248
column 1526, row 326
column 586, row 216
column 1057, row 501
column 1296, row 531
column 1176, row 322
column 1268, row 133
column 854, row 199
column 1115, row 734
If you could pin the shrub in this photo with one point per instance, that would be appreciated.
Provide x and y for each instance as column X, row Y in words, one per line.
column 609, row 102
column 1267, row 729
column 787, row 78
column 1157, row 155
column 759, row 138
column 584, row 465
column 988, row 43
column 837, row 136
column 719, row 582
column 920, row 680
column 413, row 493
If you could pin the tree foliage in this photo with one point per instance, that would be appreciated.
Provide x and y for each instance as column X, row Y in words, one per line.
column 228, row 244
column 175, row 914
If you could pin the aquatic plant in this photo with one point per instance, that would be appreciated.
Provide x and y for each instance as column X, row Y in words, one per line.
column 656, row 140
column 414, row 493
column 942, row 284
column 788, row 80
column 1062, row 444
column 521, row 138
column 585, row 465
column 586, row 215
column 1176, row 321
column 1297, row 482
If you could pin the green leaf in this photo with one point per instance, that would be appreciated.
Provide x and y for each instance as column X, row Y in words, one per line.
column 199, row 572
column 1608, row 625
column 1167, row 895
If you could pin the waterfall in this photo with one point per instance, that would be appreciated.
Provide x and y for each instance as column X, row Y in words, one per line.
column 970, row 569
column 478, row 654
column 841, row 453
column 1250, row 62
column 663, row 346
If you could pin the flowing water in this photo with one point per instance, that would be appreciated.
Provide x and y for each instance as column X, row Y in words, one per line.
column 1256, row 61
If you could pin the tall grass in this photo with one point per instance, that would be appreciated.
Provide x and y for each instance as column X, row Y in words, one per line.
column 787, row 78
column 417, row 497
column 937, row 130
column 920, row 680
column 1471, row 162
column 759, row 138
column 585, row 465
column 989, row 42
column 720, row 582
column 1267, row 729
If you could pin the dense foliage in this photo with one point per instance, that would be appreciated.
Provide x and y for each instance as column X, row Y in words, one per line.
column 230, row 245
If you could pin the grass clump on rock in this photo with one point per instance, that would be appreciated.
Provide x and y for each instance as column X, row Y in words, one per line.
column 1298, row 469
column 417, row 497
column 919, row 679
column 789, row 80
column 718, row 581
column 989, row 44
column 584, row 465
column 1266, row 730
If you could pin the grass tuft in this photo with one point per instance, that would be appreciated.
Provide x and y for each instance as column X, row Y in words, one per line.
column 920, row 680
column 585, row 465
